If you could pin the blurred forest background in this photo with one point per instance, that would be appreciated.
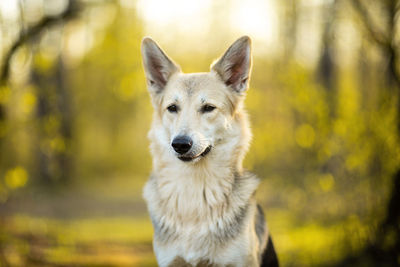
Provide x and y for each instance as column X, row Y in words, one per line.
column 74, row 114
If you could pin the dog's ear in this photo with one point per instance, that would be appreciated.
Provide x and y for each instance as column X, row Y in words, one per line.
column 235, row 65
column 157, row 66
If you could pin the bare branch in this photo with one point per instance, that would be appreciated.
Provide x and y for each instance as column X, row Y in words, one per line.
column 377, row 35
column 33, row 31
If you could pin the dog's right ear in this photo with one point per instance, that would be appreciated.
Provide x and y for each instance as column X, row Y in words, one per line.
column 157, row 66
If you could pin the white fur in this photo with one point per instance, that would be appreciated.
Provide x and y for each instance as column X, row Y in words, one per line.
column 199, row 199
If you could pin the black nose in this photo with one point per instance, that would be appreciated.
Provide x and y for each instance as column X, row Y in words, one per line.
column 182, row 144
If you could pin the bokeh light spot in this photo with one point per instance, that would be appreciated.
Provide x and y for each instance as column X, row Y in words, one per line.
column 305, row 135
column 326, row 182
column 16, row 177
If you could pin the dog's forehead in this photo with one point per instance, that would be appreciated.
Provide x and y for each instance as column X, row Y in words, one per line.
column 188, row 85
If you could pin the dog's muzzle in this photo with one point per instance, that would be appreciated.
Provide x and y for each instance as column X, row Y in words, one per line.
column 182, row 145
column 190, row 158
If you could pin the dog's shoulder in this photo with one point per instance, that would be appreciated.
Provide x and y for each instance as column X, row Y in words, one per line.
column 245, row 185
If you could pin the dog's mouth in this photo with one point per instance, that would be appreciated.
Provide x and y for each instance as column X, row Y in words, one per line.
column 202, row 154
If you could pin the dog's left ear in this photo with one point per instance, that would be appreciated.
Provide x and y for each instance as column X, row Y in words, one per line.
column 235, row 65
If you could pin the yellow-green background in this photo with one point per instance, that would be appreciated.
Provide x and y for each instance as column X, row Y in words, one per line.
column 325, row 151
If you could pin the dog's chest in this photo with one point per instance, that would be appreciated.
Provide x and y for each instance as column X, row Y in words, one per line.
column 195, row 215
column 178, row 253
column 196, row 220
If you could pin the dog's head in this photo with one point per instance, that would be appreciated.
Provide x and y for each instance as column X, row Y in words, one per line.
column 197, row 114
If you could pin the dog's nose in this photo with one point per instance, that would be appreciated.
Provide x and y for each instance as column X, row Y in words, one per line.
column 182, row 144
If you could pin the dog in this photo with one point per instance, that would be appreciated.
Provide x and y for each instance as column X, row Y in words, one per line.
column 199, row 197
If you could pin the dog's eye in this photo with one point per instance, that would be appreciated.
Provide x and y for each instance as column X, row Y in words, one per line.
column 172, row 108
column 207, row 108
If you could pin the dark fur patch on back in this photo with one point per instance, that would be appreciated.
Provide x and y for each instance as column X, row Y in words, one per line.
column 269, row 258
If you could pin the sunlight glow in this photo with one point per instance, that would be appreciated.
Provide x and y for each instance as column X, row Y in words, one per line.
column 202, row 19
column 254, row 18
column 9, row 9
column 161, row 12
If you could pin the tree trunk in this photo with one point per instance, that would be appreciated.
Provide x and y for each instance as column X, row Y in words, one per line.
column 326, row 69
column 54, row 164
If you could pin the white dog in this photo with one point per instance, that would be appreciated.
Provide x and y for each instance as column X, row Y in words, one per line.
column 200, row 199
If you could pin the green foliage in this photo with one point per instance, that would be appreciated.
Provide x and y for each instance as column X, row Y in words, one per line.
column 325, row 156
